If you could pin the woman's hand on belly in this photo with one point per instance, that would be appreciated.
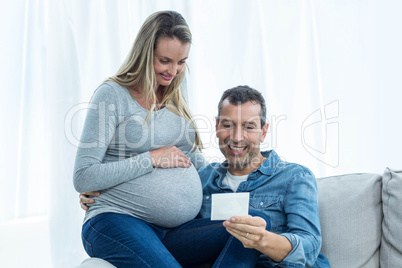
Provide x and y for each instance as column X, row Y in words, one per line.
column 169, row 157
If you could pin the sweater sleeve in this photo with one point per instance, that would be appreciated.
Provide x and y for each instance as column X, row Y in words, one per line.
column 90, row 173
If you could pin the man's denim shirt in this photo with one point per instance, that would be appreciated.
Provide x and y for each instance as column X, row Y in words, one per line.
column 284, row 192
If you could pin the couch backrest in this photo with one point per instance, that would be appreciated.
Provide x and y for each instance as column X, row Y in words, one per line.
column 351, row 216
column 391, row 242
column 361, row 219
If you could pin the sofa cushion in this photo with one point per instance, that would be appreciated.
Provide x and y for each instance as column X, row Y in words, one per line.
column 351, row 215
column 391, row 246
column 95, row 263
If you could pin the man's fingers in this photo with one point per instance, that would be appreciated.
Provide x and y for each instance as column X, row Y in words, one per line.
column 243, row 228
column 244, row 231
column 250, row 220
column 246, row 241
column 83, row 203
column 84, row 207
column 255, row 232
column 235, row 232
column 91, row 193
column 243, row 222
column 86, row 200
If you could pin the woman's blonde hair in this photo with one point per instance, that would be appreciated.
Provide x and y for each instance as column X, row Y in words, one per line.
column 138, row 68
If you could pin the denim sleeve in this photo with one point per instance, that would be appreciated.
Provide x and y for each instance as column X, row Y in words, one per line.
column 304, row 232
column 90, row 173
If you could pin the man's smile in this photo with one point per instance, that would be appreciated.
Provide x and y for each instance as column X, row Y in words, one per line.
column 237, row 149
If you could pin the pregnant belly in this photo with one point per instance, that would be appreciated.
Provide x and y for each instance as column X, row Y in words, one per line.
column 165, row 197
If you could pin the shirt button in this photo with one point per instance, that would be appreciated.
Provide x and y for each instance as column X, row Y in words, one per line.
column 207, row 197
column 262, row 203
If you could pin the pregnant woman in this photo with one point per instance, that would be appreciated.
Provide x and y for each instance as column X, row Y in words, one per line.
column 141, row 150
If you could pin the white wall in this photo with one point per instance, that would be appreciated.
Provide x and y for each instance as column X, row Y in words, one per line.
column 25, row 243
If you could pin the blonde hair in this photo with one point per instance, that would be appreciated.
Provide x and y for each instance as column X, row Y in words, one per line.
column 138, row 68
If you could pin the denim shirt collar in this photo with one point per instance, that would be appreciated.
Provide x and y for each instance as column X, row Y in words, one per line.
column 267, row 168
column 270, row 164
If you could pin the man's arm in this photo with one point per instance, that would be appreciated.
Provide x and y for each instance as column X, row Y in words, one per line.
column 252, row 233
column 85, row 198
column 302, row 221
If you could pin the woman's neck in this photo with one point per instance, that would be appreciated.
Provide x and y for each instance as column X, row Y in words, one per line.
column 138, row 94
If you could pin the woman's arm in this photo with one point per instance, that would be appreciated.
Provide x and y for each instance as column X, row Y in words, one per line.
column 90, row 173
column 102, row 119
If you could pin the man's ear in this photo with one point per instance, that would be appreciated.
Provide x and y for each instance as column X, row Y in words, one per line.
column 216, row 126
column 264, row 132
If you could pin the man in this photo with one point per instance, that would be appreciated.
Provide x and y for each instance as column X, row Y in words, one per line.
column 287, row 232
column 285, row 193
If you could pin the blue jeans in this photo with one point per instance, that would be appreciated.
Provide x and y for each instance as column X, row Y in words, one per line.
column 126, row 241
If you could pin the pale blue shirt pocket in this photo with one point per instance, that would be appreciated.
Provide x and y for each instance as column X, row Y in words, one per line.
column 269, row 205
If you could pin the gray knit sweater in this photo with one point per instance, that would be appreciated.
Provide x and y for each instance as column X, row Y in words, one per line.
column 113, row 158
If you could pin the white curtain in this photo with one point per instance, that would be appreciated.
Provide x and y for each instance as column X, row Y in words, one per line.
column 329, row 70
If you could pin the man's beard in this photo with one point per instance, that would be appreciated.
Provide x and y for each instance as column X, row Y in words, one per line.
column 246, row 161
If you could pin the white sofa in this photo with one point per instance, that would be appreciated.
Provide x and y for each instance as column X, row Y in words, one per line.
column 361, row 221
